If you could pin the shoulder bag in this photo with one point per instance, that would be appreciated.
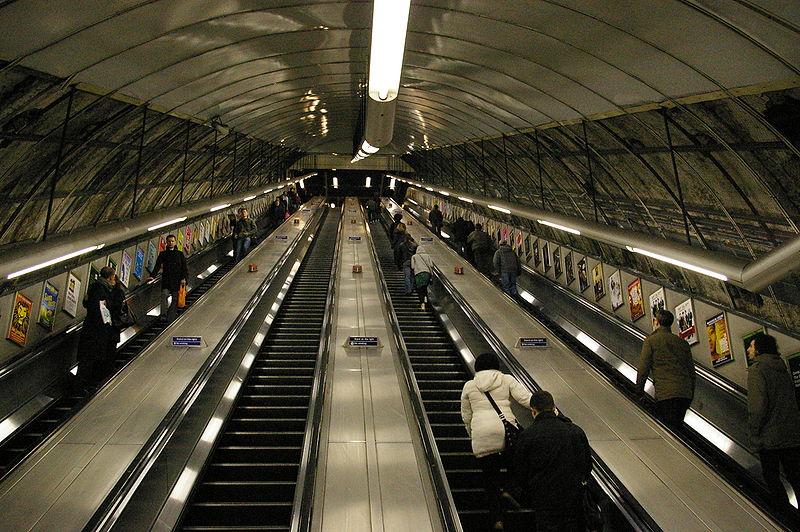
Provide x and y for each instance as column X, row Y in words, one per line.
column 511, row 430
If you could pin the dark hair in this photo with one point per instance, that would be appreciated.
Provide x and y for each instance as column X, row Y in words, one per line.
column 486, row 361
column 171, row 236
column 478, row 227
column 435, row 205
column 765, row 343
column 542, row 401
column 106, row 272
column 397, row 217
column 665, row 318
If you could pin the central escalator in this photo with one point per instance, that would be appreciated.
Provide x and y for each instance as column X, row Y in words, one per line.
column 440, row 373
column 250, row 478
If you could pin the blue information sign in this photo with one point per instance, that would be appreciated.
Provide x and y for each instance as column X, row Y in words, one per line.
column 187, row 341
column 533, row 342
column 281, row 237
column 354, row 238
column 426, row 239
column 363, row 341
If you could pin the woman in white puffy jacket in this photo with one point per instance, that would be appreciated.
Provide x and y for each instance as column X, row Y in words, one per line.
column 484, row 426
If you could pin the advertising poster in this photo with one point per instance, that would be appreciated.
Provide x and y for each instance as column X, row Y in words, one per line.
column 162, row 243
column 568, row 268
column 20, row 319
column 47, row 306
column 111, row 263
column 72, row 295
column 635, row 299
column 519, row 238
column 557, row 262
column 546, row 255
column 719, row 343
column 658, row 302
column 749, row 341
column 528, row 253
column 138, row 266
column 684, row 315
column 94, row 274
column 124, row 273
column 583, row 274
column 152, row 255
column 536, row 258
column 794, row 371
column 179, row 237
column 187, row 242
column 598, row 281
column 615, row 288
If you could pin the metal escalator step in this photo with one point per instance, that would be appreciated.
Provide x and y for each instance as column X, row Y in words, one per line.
column 258, row 453
column 251, row 513
column 246, row 490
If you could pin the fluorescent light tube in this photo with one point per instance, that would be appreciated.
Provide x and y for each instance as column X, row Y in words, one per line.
column 392, row 183
column 412, row 201
column 302, row 184
column 248, row 198
column 54, row 261
column 500, row 209
column 443, row 193
column 168, row 222
column 429, row 189
column 268, row 191
column 367, row 148
column 389, row 24
column 558, row 226
column 465, row 199
column 677, row 262
column 445, row 235
column 219, row 207
column 368, row 182
column 335, row 182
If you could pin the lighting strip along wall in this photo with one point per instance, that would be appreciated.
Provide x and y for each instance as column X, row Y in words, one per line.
column 751, row 275
column 30, row 258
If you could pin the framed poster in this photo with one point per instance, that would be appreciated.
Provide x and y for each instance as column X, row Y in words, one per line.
column 568, row 268
column 615, row 288
column 20, row 319
column 48, row 305
column 162, row 243
column 658, row 302
column 687, row 329
column 557, row 262
column 111, row 263
column 794, row 370
column 72, row 295
column 187, row 242
column 152, row 255
column 583, row 275
column 179, row 237
column 719, row 343
column 94, row 274
column 749, row 341
column 124, row 274
column 546, row 255
column 598, row 281
column 536, row 258
column 528, row 252
column 635, row 299
column 138, row 265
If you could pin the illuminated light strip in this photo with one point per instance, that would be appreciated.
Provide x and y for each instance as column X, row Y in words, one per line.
column 55, row 261
column 392, row 183
column 302, row 184
column 412, row 201
column 527, row 296
column 368, row 148
column 168, row 222
column 429, row 189
column 248, row 198
column 389, row 26
column 465, row 199
column 443, row 193
column 676, row 262
column 368, row 182
column 268, row 191
column 335, row 182
column 415, row 212
column 219, row 207
column 499, row 209
column 445, row 235
column 559, row 226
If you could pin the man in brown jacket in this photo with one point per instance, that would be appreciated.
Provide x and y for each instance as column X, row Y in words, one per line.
column 774, row 418
column 670, row 359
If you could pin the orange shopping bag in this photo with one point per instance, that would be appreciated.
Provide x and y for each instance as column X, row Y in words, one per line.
column 182, row 296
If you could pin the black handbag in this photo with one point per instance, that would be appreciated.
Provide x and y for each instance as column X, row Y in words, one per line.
column 512, row 430
column 591, row 509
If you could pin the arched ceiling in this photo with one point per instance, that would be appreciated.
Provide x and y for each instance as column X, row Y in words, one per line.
column 472, row 68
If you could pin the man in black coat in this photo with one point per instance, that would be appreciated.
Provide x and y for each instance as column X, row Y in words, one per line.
column 99, row 338
column 173, row 263
column 436, row 219
column 552, row 460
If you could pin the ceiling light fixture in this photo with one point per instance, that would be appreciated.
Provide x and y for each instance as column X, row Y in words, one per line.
column 55, row 261
column 219, row 207
column 168, row 222
column 335, row 182
column 677, row 262
column 465, row 199
column 389, row 25
column 392, row 183
column 559, row 226
column 368, row 183
column 248, row 198
column 499, row 209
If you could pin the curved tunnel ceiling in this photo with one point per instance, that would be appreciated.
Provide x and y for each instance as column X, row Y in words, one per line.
column 472, row 68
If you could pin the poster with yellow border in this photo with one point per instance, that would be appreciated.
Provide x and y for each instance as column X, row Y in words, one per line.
column 719, row 342
column 20, row 319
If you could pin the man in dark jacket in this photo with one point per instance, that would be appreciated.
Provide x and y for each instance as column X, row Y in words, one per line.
column 774, row 418
column 173, row 263
column 506, row 263
column 552, row 460
column 669, row 357
column 459, row 234
column 469, row 227
column 481, row 244
column 98, row 340
column 436, row 219
column 406, row 249
column 396, row 219
column 243, row 233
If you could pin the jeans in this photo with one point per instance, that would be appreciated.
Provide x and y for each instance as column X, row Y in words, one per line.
column 408, row 273
column 771, row 461
column 240, row 248
column 171, row 311
column 672, row 411
column 508, row 281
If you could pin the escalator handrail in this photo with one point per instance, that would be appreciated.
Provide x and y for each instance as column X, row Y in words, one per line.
column 114, row 503
column 444, row 498
column 309, row 458
column 620, row 495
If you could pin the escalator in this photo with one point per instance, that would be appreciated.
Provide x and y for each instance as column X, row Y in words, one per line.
column 440, row 374
column 14, row 450
column 250, row 479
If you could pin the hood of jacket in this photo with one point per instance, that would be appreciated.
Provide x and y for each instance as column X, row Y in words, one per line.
column 771, row 362
column 505, row 248
column 488, row 379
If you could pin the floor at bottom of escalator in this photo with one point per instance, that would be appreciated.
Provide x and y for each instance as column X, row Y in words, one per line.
column 513, row 521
